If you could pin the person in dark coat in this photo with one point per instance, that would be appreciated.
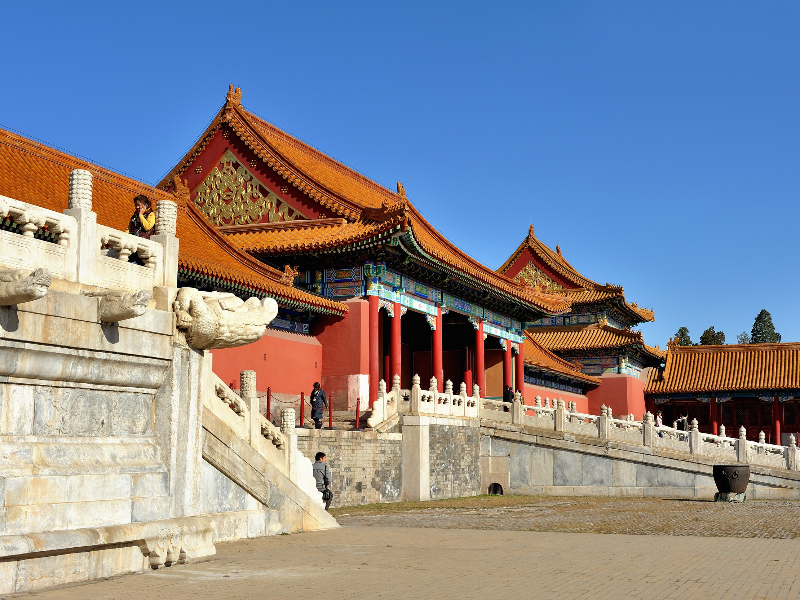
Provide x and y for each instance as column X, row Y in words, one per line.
column 318, row 402
column 508, row 396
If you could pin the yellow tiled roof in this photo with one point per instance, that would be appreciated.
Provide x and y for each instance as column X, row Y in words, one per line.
column 38, row 174
column 368, row 207
column 592, row 337
column 736, row 367
column 537, row 355
column 585, row 291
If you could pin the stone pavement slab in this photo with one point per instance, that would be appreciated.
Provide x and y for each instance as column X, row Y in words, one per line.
column 641, row 516
column 405, row 562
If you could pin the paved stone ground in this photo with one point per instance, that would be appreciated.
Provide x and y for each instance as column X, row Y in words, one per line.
column 638, row 516
column 407, row 561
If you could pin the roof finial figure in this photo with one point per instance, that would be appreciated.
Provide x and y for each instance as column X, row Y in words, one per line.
column 401, row 190
column 558, row 249
column 289, row 275
column 234, row 96
column 180, row 190
column 673, row 343
column 530, row 232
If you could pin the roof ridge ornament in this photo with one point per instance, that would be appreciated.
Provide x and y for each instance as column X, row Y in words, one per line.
column 673, row 344
column 234, row 96
column 180, row 189
column 401, row 190
column 531, row 237
column 289, row 275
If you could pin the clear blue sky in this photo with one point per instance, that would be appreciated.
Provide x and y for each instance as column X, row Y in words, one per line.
column 658, row 142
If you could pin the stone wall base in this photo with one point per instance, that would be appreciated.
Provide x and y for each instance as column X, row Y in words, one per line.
column 43, row 560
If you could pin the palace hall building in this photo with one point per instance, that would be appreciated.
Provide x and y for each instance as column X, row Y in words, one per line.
column 755, row 386
column 367, row 288
column 415, row 303
column 595, row 334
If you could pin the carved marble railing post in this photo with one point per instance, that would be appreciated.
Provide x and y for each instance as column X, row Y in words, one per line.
column 560, row 415
column 537, row 401
column 648, row 429
column 448, row 391
column 476, row 398
column 792, row 454
column 288, row 419
column 762, row 439
column 517, row 413
column 247, row 389
column 741, row 446
column 722, row 431
column 379, row 409
column 602, row 423
column 396, row 386
column 166, row 227
column 85, row 237
column 694, row 438
column 416, row 396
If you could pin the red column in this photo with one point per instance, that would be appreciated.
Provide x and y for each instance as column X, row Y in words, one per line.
column 436, row 351
column 468, row 369
column 394, row 345
column 480, row 374
column 777, row 417
column 714, row 410
column 519, row 374
column 374, row 358
column 507, row 376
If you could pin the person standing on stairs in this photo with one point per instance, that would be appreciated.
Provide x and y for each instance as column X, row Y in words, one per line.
column 322, row 475
column 318, row 402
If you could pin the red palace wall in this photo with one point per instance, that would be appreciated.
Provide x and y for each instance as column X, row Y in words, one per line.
column 531, row 391
column 623, row 393
column 286, row 362
column 345, row 355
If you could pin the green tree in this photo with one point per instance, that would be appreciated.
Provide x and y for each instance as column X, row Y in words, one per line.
column 682, row 335
column 763, row 331
column 712, row 338
column 743, row 338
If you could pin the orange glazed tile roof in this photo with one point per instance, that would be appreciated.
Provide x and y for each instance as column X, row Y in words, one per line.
column 737, row 367
column 38, row 174
column 592, row 337
column 587, row 291
column 539, row 356
column 368, row 206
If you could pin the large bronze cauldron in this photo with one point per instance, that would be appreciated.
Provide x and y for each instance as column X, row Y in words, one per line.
column 732, row 479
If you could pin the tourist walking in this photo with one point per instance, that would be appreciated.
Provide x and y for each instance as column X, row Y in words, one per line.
column 659, row 423
column 318, row 402
column 322, row 475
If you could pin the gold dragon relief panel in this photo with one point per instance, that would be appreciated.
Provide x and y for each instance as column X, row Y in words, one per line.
column 231, row 195
column 534, row 277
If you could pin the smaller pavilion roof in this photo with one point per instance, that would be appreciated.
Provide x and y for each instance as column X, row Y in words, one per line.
column 597, row 336
column 585, row 291
column 730, row 368
column 535, row 354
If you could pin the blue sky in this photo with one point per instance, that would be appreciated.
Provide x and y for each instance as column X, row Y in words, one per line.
column 657, row 142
